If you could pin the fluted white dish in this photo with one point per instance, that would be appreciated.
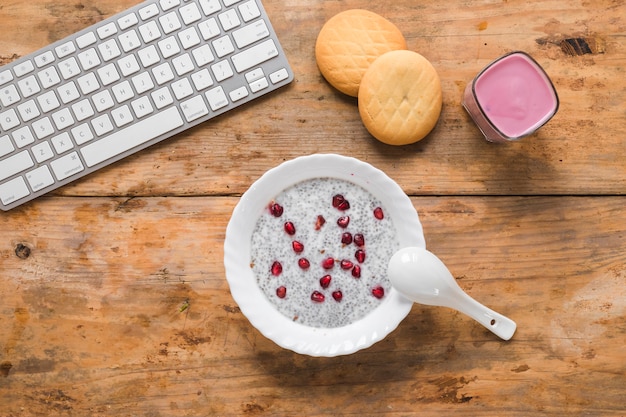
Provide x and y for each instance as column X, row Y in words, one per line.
column 253, row 303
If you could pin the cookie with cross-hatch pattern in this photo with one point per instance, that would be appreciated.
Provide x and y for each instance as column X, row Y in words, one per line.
column 349, row 42
column 400, row 98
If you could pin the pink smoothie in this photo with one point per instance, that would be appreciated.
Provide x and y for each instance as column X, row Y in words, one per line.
column 516, row 95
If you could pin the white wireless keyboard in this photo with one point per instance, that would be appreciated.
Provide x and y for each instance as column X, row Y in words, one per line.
column 126, row 83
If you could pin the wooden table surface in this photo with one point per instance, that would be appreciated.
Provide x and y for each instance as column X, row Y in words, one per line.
column 113, row 299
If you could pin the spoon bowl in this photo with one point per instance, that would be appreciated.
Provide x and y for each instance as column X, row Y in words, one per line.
column 423, row 278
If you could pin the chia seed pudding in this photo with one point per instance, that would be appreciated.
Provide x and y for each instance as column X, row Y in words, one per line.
column 320, row 252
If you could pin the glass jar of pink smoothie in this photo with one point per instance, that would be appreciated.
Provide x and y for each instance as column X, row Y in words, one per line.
column 511, row 98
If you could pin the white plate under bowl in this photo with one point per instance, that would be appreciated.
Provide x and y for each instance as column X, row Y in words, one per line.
column 253, row 303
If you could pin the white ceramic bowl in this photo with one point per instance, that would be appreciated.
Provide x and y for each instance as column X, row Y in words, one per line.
column 254, row 304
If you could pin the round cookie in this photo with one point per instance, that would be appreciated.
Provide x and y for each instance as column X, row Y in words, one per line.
column 400, row 98
column 349, row 42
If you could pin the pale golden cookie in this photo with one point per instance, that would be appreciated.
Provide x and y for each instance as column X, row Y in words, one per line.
column 400, row 98
column 349, row 42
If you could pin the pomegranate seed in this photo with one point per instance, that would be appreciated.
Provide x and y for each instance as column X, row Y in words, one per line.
column 318, row 297
column 276, row 209
column 297, row 246
column 359, row 240
column 325, row 281
column 337, row 200
column 277, row 268
column 281, row 291
column 328, row 263
column 346, row 264
column 378, row 292
column 378, row 213
column 343, row 222
column 344, row 205
column 346, row 238
column 304, row 263
column 356, row 271
column 337, row 295
column 290, row 228
column 319, row 222
column 360, row 256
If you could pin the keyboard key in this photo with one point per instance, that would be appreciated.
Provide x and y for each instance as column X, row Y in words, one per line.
column 109, row 50
column 43, row 128
column 129, row 65
column 89, row 59
column 169, row 4
column 28, row 86
column 223, row 46
column 150, row 31
column 107, row 30
column 62, row 143
column 15, row 164
column 103, row 101
column 189, row 38
column 229, row 19
column 134, row 135
column 24, row 68
column 23, row 137
column 148, row 12
column 142, row 107
column 5, row 77
column 49, row 77
column 258, row 85
column 239, row 93
column 250, row 34
column 127, row 21
column 254, row 56
column 40, row 178
column 13, row 190
column 149, row 56
column 65, row 49
column 82, row 134
column 102, row 125
column 44, row 59
column 42, row 151
column 28, row 110
column 9, row 120
column 66, row 166
column 9, row 95
column 63, row 118
column 48, row 101
column 88, row 83
column 194, row 108
column 130, row 41
column 190, row 13
column 122, row 116
column 279, row 76
column 169, row 47
column 68, row 92
column 69, row 68
column 210, row 6
column 222, row 70
column 170, row 23
column 249, row 11
column 6, row 146
column 108, row 74
column 209, row 29
column 86, row 40
column 217, row 99
column 163, row 73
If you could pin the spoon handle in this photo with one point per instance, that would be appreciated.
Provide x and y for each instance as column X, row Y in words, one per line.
column 500, row 325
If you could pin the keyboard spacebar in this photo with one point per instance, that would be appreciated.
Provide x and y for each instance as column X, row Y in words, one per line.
column 136, row 134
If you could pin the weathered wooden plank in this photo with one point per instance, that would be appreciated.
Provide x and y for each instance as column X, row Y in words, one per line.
column 120, row 307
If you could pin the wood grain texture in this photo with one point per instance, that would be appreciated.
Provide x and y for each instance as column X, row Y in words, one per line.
column 113, row 300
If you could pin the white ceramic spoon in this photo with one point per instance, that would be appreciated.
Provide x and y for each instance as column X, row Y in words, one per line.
column 421, row 277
